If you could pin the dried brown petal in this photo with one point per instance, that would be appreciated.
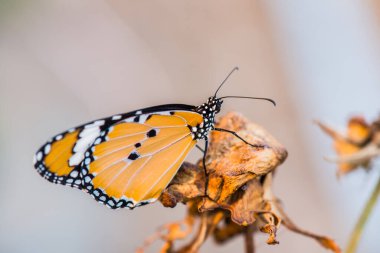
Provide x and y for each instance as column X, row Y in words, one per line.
column 344, row 148
column 330, row 244
column 358, row 130
column 247, row 201
column 231, row 163
column 189, row 183
column 271, row 230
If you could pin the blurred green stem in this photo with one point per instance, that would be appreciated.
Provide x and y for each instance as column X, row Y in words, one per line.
column 356, row 234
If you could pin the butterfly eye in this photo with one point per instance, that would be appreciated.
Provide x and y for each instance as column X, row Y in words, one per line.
column 218, row 106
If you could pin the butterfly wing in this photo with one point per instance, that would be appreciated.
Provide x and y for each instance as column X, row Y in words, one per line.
column 59, row 159
column 125, row 160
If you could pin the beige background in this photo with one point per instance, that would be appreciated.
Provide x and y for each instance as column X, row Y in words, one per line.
column 65, row 62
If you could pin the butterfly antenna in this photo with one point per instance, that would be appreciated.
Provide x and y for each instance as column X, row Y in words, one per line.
column 267, row 99
column 225, row 79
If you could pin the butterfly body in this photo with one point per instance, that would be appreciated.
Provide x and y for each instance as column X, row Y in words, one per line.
column 127, row 160
column 208, row 111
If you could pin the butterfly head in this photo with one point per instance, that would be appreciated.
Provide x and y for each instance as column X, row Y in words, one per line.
column 208, row 110
column 215, row 104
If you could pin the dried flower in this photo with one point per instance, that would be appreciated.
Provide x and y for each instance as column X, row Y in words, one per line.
column 238, row 199
column 357, row 147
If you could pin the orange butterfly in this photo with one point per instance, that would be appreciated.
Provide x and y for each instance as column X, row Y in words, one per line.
column 127, row 160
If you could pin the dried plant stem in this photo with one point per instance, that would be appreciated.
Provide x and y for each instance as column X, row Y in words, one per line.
column 357, row 232
column 249, row 240
column 208, row 223
column 200, row 237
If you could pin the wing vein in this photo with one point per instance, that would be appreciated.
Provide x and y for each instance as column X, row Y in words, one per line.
column 114, row 178
column 137, row 171
column 60, row 154
column 168, row 169
column 165, row 147
column 134, row 174
column 132, row 151
column 117, row 161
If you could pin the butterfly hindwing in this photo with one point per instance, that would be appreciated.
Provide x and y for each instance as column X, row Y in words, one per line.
column 125, row 160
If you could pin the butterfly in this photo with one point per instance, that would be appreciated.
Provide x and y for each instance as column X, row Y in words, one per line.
column 127, row 160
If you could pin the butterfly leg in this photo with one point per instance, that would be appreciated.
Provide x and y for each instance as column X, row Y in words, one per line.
column 199, row 147
column 239, row 137
column 204, row 165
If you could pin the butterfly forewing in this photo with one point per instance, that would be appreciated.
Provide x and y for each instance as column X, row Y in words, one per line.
column 58, row 159
column 125, row 160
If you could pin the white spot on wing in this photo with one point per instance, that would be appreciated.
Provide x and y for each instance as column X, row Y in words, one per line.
column 89, row 131
column 75, row 159
column 39, row 156
column 47, row 149
column 86, row 138
column 96, row 123
column 116, row 117
column 84, row 142
column 87, row 161
column 143, row 118
column 163, row 113
column 74, row 173
column 87, row 179
column 130, row 119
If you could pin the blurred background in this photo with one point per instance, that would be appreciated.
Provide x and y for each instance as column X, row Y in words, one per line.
column 65, row 62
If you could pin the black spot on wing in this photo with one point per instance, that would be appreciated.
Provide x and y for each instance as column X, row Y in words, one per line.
column 133, row 156
column 151, row 133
